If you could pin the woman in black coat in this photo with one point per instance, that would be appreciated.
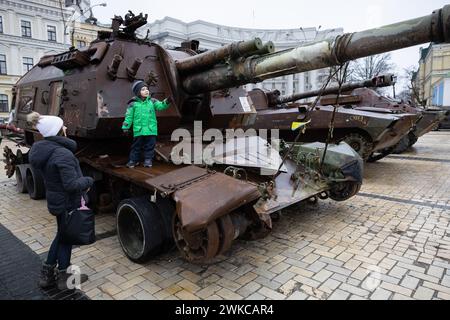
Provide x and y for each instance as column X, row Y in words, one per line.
column 65, row 184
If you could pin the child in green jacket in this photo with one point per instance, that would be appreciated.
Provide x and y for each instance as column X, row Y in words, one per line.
column 141, row 115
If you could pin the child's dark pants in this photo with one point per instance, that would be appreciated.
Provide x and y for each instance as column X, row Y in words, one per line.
column 146, row 142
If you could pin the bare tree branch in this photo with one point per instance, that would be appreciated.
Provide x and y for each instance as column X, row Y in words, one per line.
column 369, row 67
column 412, row 86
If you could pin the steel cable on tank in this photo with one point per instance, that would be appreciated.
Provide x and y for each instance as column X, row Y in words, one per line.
column 341, row 78
column 331, row 75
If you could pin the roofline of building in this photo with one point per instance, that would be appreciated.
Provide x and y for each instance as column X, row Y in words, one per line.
column 243, row 29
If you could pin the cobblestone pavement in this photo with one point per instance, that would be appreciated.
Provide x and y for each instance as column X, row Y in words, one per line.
column 392, row 241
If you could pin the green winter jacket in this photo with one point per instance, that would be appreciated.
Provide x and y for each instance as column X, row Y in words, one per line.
column 141, row 115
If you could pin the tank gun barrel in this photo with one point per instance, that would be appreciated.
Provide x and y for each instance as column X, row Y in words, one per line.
column 211, row 58
column 376, row 82
column 322, row 54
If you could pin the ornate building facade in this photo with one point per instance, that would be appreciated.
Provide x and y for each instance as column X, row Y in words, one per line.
column 29, row 29
column 432, row 80
column 170, row 32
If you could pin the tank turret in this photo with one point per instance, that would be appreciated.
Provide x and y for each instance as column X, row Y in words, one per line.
column 376, row 82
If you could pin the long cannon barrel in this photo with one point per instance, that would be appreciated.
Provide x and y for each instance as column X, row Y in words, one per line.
column 432, row 28
column 211, row 58
column 376, row 82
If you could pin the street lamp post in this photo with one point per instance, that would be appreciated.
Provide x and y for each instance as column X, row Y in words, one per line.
column 73, row 19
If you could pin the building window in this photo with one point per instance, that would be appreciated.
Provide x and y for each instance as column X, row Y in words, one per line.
column 27, row 64
column 51, row 33
column 4, row 103
column 26, row 29
column 81, row 44
column 2, row 64
column 1, row 24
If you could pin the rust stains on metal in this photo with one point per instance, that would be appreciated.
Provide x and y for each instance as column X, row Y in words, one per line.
column 209, row 199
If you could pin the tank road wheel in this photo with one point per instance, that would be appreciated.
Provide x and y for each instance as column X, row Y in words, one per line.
column 402, row 145
column 344, row 190
column 360, row 144
column 197, row 247
column 21, row 179
column 140, row 229
column 227, row 233
column 167, row 211
column 412, row 139
column 35, row 184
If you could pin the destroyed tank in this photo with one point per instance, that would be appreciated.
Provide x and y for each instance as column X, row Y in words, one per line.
column 197, row 195
column 429, row 118
column 372, row 134
column 361, row 96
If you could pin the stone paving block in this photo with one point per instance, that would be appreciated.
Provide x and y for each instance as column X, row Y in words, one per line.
column 423, row 276
column 398, row 296
column 410, row 282
column 423, row 293
column 256, row 296
column 127, row 293
column 284, row 277
column 344, row 257
column 208, row 291
column 301, row 271
column 188, row 286
column 354, row 290
column 322, row 275
column 149, row 286
column 339, row 295
column 143, row 295
column 381, row 294
column 316, row 267
column 308, row 281
column 228, row 294
column 435, row 271
column 330, row 285
column 186, row 295
column 248, row 289
column 398, row 272
column 250, row 276
column 274, row 285
column 340, row 270
column 436, row 287
column 352, row 264
column 271, row 294
column 396, row 289
column 110, row 288
column 443, row 296
column 132, row 282
column 298, row 296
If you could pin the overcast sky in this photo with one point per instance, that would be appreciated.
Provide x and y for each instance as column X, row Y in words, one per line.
column 352, row 15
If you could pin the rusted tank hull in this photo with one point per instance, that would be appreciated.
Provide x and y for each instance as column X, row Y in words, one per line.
column 381, row 130
column 430, row 120
column 205, row 199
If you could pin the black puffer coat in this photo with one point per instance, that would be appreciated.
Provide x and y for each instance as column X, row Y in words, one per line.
column 64, row 181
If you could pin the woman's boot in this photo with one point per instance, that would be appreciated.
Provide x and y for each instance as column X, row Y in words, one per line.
column 48, row 276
